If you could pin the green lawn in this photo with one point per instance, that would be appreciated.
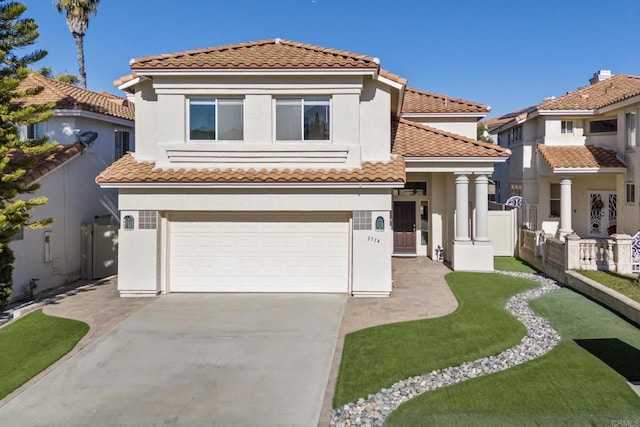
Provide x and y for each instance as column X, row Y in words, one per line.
column 508, row 263
column 581, row 382
column 626, row 285
column 377, row 357
column 29, row 345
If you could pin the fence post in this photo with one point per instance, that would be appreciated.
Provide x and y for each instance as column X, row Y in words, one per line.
column 572, row 251
column 622, row 253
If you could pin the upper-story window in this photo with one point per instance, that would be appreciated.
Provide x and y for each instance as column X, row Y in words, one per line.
column 515, row 134
column 34, row 131
column 603, row 126
column 566, row 126
column 630, row 124
column 303, row 119
column 121, row 142
column 216, row 119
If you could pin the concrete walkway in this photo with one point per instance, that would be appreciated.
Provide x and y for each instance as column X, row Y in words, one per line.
column 196, row 359
column 96, row 303
column 419, row 292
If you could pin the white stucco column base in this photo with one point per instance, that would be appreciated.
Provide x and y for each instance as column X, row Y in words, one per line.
column 472, row 256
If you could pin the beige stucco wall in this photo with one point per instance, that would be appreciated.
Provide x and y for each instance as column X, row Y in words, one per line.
column 465, row 126
column 141, row 251
column 360, row 111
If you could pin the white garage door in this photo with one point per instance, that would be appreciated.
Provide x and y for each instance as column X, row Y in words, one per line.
column 259, row 253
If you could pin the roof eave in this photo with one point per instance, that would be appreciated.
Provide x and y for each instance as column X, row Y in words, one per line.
column 293, row 71
column 478, row 115
column 393, row 184
column 583, row 171
column 619, row 104
column 563, row 113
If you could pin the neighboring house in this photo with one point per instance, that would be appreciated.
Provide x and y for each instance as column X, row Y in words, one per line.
column 574, row 158
column 276, row 166
column 67, row 178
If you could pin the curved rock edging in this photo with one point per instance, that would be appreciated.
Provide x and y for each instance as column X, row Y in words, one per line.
column 539, row 340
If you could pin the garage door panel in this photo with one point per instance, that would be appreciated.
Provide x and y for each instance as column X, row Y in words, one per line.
column 274, row 254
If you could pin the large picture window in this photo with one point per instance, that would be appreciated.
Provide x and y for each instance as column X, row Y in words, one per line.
column 216, row 119
column 303, row 119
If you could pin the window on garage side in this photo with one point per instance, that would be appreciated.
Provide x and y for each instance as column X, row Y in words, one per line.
column 216, row 119
column 147, row 220
column 303, row 119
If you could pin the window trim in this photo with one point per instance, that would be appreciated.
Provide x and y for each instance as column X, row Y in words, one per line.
column 559, row 198
column 302, row 98
column 217, row 111
column 119, row 151
column 630, row 145
column 632, row 186
column 36, row 126
column 564, row 128
column 611, row 132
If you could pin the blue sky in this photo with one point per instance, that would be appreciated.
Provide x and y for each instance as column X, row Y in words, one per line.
column 503, row 53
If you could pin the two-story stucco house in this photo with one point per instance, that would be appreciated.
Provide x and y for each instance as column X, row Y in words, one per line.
column 276, row 166
column 53, row 256
column 574, row 158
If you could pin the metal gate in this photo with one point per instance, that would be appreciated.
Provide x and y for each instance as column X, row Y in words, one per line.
column 635, row 253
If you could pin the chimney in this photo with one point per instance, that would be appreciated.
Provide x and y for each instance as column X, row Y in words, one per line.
column 600, row 75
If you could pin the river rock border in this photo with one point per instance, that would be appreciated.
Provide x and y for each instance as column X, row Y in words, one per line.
column 539, row 340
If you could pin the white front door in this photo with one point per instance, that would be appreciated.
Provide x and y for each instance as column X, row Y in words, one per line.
column 603, row 213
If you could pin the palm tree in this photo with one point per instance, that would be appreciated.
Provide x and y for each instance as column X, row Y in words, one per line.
column 78, row 12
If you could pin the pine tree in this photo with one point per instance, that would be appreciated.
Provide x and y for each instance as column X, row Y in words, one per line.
column 16, row 156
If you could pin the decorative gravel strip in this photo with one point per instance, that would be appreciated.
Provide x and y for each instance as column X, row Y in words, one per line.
column 539, row 340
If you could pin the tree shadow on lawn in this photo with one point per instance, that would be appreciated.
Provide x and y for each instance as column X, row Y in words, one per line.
column 620, row 356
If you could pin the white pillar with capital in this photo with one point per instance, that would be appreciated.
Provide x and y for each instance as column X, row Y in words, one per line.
column 462, row 208
column 482, row 208
column 565, row 207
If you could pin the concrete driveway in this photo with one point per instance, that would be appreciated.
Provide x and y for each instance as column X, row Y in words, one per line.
column 196, row 359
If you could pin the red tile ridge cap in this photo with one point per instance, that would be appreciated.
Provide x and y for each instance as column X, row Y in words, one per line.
column 137, row 62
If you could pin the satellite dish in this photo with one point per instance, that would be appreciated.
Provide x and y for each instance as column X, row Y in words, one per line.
column 88, row 137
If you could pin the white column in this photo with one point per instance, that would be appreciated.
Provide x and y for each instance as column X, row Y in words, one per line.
column 565, row 207
column 482, row 208
column 462, row 208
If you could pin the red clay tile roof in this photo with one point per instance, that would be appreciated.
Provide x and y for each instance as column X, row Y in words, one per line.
column 418, row 101
column 45, row 163
column 275, row 53
column 393, row 77
column 598, row 95
column 411, row 139
column 69, row 97
column 128, row 170
column 579, row 156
